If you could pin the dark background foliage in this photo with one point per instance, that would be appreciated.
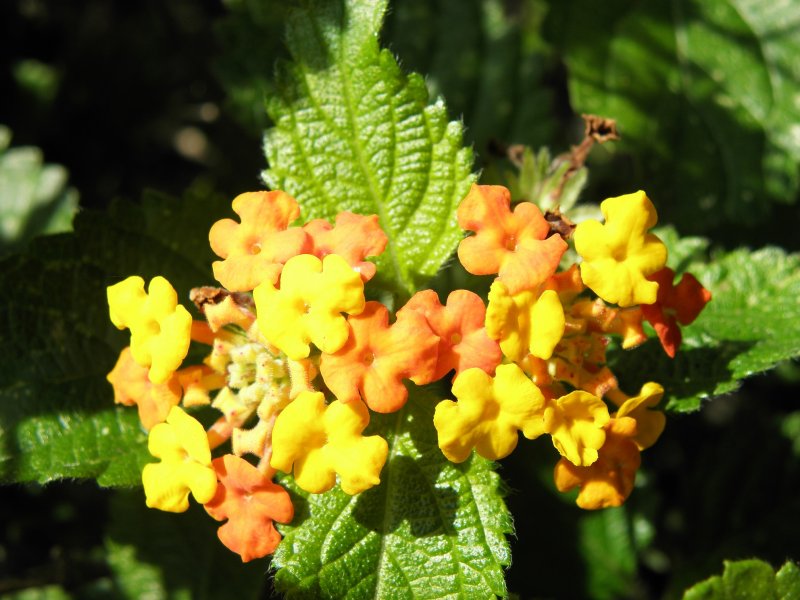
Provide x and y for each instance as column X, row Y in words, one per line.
column 166, row 95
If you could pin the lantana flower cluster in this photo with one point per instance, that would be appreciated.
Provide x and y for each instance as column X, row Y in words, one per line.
column 298, row 359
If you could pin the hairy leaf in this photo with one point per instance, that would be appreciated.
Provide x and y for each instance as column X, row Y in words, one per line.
column 56, row 409
column 749, row 580
column 431, row 529
column 485, row 57
column 704, row 93
column 353, row 132
column 751, row 324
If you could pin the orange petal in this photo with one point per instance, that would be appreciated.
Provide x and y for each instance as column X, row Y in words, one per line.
column 377, row 357
column 463, row 343
column 255, row 249
column 251, row 503
column 354, row 238
column 133, row 386
column 514, row 245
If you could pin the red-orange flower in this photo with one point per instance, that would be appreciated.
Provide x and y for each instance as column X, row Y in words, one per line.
column 609, row 480
column 377, row 357
column 675, row 305
column 354, row 238
column 255, row 250
column 513, row 245
column 251, row 503
column 463, row 342
column 132, row 385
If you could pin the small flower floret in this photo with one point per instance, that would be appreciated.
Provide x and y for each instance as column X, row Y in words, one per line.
column 308, row 306
column 620, row 254
column 319, row 441
column 182, row 445
column 251, row 503
column 489, row 413
column 160, row 327
column 514, row 245
column 378, row 356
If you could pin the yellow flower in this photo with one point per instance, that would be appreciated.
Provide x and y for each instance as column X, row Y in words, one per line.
column 525, row 322
column 307, row 308
column 182, row 445
column 320, row 441
column 575, row 422
column 489, row 413
column 649, row 423
column 609, row 480
column 620, row 254
column 160, row 327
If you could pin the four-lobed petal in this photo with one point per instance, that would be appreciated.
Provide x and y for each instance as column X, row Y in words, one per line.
column 463, row 341
column 489, row 413
column 377, row 357
column 160, row 327
column 619, row 255
column 318, row 441
column 308, row 306
column 251, row 503
column 514, row 245
column 182, row 445
column 255, row 249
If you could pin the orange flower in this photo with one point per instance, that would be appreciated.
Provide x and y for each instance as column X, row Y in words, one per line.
column 197, row 381
column 353, row 238
column 675, row 304
column 377, row 356
column 463, row 342
column 255, row 250
column 251, row 503
column 609, row 480
column 514, row 245
column 133, row 386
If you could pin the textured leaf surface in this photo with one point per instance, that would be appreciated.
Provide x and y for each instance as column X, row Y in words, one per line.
column 355, row 133
column 749, row 580
column 751, row 324
column 34, row 197
column 431, row 529
column 705, row 94
column 485, row 58
column 56, row 410
column 153, row 554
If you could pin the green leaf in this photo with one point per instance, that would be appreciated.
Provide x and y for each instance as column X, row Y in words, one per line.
column 486, row 59
column 154, row 554
column 751, row 324
column 705, row 96
column 34, row 197
column 607, row 546
column 353, row 132
column 431, row 529
column 749, row 580
column 56, row 409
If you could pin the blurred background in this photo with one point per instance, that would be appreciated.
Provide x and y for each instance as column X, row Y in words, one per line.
column 103, row 99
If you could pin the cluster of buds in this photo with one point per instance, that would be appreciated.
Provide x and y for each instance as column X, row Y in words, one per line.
column 299, row 358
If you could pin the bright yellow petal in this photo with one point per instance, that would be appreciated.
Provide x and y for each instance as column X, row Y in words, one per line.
column 575, row 422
